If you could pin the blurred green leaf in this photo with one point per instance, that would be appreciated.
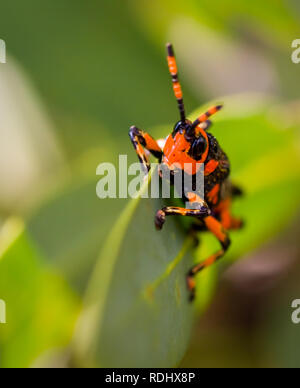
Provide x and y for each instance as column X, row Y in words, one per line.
column 28, row 143
column 71, row 224
column 278, row 337
column 275, row 21
column 95, row 66
column 41, row 308
column 227, row 46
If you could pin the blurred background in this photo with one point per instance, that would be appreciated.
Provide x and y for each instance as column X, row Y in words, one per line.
column 78, row 75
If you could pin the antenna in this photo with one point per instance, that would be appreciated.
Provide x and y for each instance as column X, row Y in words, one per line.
column 205, row 116
column 176, row 84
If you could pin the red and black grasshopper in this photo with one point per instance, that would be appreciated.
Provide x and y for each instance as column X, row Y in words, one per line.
column 191, row 144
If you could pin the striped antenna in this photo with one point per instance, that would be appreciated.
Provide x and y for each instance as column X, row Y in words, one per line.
column 176, row 84
column 205, row 116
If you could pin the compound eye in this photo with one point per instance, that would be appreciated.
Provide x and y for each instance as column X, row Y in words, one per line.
column 178, row 126
column 198, row 148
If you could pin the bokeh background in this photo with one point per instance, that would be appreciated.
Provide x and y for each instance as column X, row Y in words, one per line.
column 78, row 74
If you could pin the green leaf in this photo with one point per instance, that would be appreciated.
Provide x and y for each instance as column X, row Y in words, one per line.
column 136, row 311
column 41, row 308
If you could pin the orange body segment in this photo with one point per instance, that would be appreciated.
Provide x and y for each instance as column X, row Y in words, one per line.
column 151, row 144
column 210, row 167
column 216, row 228
column 176, row 155
column 213, row 195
